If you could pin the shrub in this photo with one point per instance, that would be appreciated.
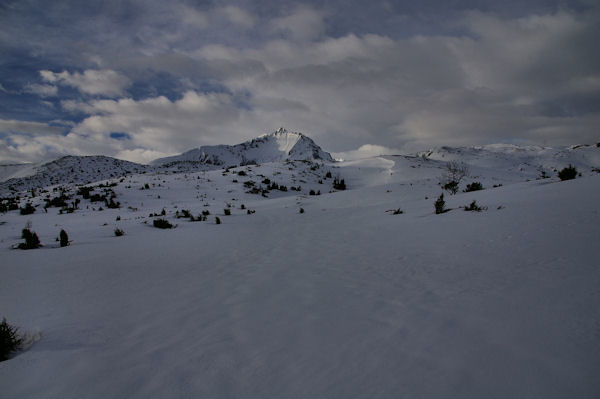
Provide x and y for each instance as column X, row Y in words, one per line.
column 9, row 340
column 397, row 211
column 28, row 209
column 455, row 172
column 451, row 186
column 250, row 212
column 119, row 232
column 475, row 186
column 227, row 211
column 439, row 205
column 474, row 207
column 217, row 220
column 64, row 238
column 205, row 212
column 301, row 210
column 568, row 173
column 339, row 184
column 162, row 224
column 32, row 241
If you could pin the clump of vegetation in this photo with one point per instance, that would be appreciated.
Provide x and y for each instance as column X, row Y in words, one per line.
column 162, row 224
column 455, row 172
column 339, row 184
column 32, row 241
column 119, row 232
column 28, row 209
column 227, row 211
column 568, row 173
column 64, row 238
column 475, row 186
column 440, row 205
column 9, row 340
column 396, row 211
column 250, row 212
column 301, row 210
column 473, row 207
column 217, row 220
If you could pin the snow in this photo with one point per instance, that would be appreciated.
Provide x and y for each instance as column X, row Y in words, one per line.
column 343, row 300
column 280, row 145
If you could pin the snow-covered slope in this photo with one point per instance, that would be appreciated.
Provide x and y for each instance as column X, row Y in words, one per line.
column 68, row 170
column 532, row 160
column 280, row 145
column 334, row 294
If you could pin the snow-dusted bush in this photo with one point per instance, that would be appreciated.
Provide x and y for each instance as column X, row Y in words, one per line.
column 451, row 186
column 32, row 241
column 440, row 204
column 162, row 224
column 217, row 220
column 475, row 186
column 301, row 210
column 10, row 341
column 568, row 173
column 339, row 184
column 28, row 209
column 474, row 207
column 227, row 211
column 455, row 172
column 119, row 232
column 64, row 238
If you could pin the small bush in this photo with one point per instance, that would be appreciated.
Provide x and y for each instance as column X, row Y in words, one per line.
column 397, row 211
column 473, row 207
column 227, row 211
column 9, row 340
column 205, row 212
column 119, row 232
column 451, row 186
column 28, row 209
column 217, row 220
column 301, row 210
column 568, row 173
column 32, row 241
column 250, row 212
column 475, row 186
column 64, row 238
column 162, row 224
column 339, row 184
column 440, row 204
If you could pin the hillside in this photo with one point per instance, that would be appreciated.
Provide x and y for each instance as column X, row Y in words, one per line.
column 305, row 290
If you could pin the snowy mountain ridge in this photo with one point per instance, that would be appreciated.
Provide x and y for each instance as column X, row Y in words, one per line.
column 69, row 169
column 278, row 146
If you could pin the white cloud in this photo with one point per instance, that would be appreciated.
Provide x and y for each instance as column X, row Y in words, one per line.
column 29, row 128
column 304, row 23
column 105, row 82
column 42, row 90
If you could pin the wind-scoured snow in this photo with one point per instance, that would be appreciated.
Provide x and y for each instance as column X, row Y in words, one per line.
column 346, row 299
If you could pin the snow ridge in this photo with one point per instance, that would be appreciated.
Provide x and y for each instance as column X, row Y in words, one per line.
column 278, row 146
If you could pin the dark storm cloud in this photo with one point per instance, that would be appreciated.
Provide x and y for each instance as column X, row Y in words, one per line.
column 402, row 74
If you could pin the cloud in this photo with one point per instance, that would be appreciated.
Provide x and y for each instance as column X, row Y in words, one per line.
column 238, row 16
column 42, row 90
column 236, row 72
column 304, row 23
column 103, row 82
column 29, row 128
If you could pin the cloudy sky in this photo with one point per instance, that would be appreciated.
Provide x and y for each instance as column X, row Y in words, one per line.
column 140, row 79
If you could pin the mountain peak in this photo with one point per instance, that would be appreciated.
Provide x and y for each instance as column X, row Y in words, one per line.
column 279, row 145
